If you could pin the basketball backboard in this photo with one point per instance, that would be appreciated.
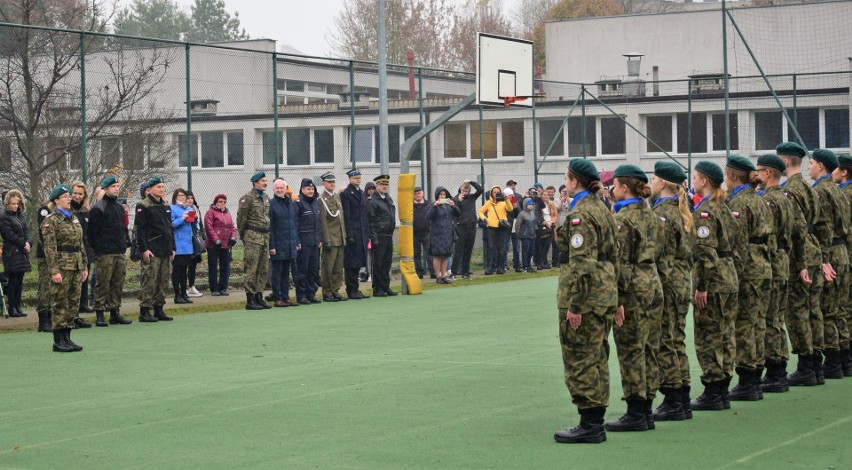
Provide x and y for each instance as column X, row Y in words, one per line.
column 504, row 71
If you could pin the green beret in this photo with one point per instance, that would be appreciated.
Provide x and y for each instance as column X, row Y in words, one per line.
column 739, row 162
column 584, row 169
column 257, row 176
column 59, row 190
column 108, row 182
column 155, row 181
column 845, row 161
column 827, row 158
column 772, row 161
column 791, row 148
column 630, row 171
column 710, row 170
column 670, row 171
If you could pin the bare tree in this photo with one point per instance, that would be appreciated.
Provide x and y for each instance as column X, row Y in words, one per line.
column 40, row 98
column 530, row 13
column 484, row 16
column 564, row 9
column 633, row 7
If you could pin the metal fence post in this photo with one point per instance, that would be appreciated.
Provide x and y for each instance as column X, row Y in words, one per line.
column 583, row 123
column 83, row 128
column 795, row 104
column 727, row 82
column 535, row 144
column 189, row 156
column 481, row 150
column 422, row 142
column 352, row 113
column 275, row 112
column 689, row 127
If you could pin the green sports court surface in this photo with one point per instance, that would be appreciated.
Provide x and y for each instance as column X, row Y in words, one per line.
column 463, row 377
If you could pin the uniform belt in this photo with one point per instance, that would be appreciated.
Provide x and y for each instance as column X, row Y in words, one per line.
column 811, row 229
column 838, row 241
column 565, row 257
column 757, row 240
column 257, row 229
column 603, row 258
column 724, row 254
column 68, row 248
column 782, row 245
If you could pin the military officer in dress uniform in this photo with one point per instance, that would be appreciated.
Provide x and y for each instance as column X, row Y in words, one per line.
column 65, row 255
column 382, row 226
column 356, row 214
column 155, row 236
column 333, row 239
column 253, row 227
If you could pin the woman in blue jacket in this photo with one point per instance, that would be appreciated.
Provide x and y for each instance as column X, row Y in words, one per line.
column 183, row 217
column 283, row 242
column 310, row 236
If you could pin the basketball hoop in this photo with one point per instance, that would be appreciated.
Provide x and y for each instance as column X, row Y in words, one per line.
column 509, row 100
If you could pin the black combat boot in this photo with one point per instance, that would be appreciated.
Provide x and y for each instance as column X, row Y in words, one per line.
column 847, row 362
column 724, row 391
column 160, row 315
column 633, row 420
column 258, row 298
column 819, row 371
column 590, row 430
column 776, row 377
column 687, row 403
column 115, row 318
column 746, row 389
column 711, row 399
column 74, row 346
column 99, row 318
column 671, row 409
column 804, row 373
column 758, row 373
column 251, row 302
column 80, row 323
column 649, row 413
column 44, row 322
column 833, row 365
column 59, row 344
column 145, row 315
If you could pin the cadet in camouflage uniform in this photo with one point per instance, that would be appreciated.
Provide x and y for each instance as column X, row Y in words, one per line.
column 716, row 285
column 753, row 226
column 843, row 177
column 675, row 269
column 586, row 300
column 65, row 255
column 776, row 354
column 253, row 227
column 804, row 318
column 155, row 236
column 831, row 227
column 43, row 301
column 640, row 298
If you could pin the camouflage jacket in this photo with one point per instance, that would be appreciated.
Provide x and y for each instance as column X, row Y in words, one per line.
column 253, row 217
column 675, row 261
column 637, row 233
column 752, row 228
column 64, row 249
column 832, row 225
column 713, row 270
column 805, row 251
column 781, row 240
column 846, row 190
column 587, row 280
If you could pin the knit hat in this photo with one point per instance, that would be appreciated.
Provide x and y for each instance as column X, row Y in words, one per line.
column 529, row 202
column 142, row 188
column 218, row 197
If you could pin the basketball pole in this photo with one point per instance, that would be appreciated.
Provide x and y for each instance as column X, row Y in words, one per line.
column 383, row 93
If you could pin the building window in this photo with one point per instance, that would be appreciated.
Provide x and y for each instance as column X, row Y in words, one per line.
column 364, row 145
column 110, row 152
column 768, row 132
column 489, row 139
column 659, row 130
column 212, row 150
column 298, row 146
column 159, row 150
column 324, row 146
column 235, row 148
column 807, row 123
column 393, row 144
column 613, row 136
column 550, row 132
column 575, row 137
column 698, row 144
column 455, row 140
column 133, row 153
column 513, row 138
column 269, row 156
column 183, row 154
column 409, row 133
column 719, row 132
column 837, row 128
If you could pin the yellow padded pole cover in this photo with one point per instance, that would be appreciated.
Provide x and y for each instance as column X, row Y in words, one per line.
column 405, row 204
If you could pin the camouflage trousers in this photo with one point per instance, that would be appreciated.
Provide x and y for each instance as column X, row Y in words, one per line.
column 637, row 343
column 804, row 319
column 256, row 262
column 585, row 353
column 833, row 322
column 775, row 339
column 65, row 298
column 331, row 276
column 751, row 323
column 672, row 359
column 44, row 287
column 156, row 276
column 112, row 270
column 714, row 336
column 844, row 313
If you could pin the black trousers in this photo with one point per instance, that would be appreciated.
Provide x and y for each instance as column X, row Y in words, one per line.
column 84, row 290
column 180, row 266
column 382, row 260
column 307, row 275
column 464, row 248
column 421, row 255
column 280, row 274
column 350, row 278
column 218, row 268
column 542, row 247
column 15, row 288
column 496, row 240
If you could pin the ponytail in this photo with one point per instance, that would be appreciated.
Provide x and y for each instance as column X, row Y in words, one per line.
column 589, row 185
column 683, row 207
column 636, row 186
column 754, row 179
column 719, row 195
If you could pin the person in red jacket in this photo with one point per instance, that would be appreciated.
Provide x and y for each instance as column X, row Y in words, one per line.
column 221, row 237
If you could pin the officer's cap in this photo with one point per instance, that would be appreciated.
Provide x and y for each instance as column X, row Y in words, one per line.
column 772, row 161
column 741, row 163
column 630, row 171
column 710, row 170
column 382, row 179
column 155, row 181
column 584, row 169
column 827, row 158
column 108, row 182
column 791, row 148
column 257, row 176
column 670, row 171
column 328, row 176
column 58, row 191
column 353, row 172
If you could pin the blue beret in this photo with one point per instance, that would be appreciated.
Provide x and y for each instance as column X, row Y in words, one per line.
column 58, row 191
column 257, row 176
column 772, row 161
column 670, row 171
column 630, row 171
column 710, row 170
column 584, row 169
column 827, row 158
column 791, row 148
column 155, row 181
column 739, row 162
column 108, row 182
column 353, row 172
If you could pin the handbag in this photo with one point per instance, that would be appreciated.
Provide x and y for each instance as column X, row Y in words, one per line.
column 197, row 244
column 501, row 223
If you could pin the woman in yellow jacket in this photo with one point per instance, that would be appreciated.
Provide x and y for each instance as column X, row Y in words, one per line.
column 495, row 213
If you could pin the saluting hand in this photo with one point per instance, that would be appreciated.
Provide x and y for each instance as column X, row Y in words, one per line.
column 574, row 319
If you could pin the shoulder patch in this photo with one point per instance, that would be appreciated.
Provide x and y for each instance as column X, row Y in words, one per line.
column 575, row 221
column 44, row 212
column 577, row 241
column 736, row 214
column 664, row 219
column 703, row 232
column 704, row 215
